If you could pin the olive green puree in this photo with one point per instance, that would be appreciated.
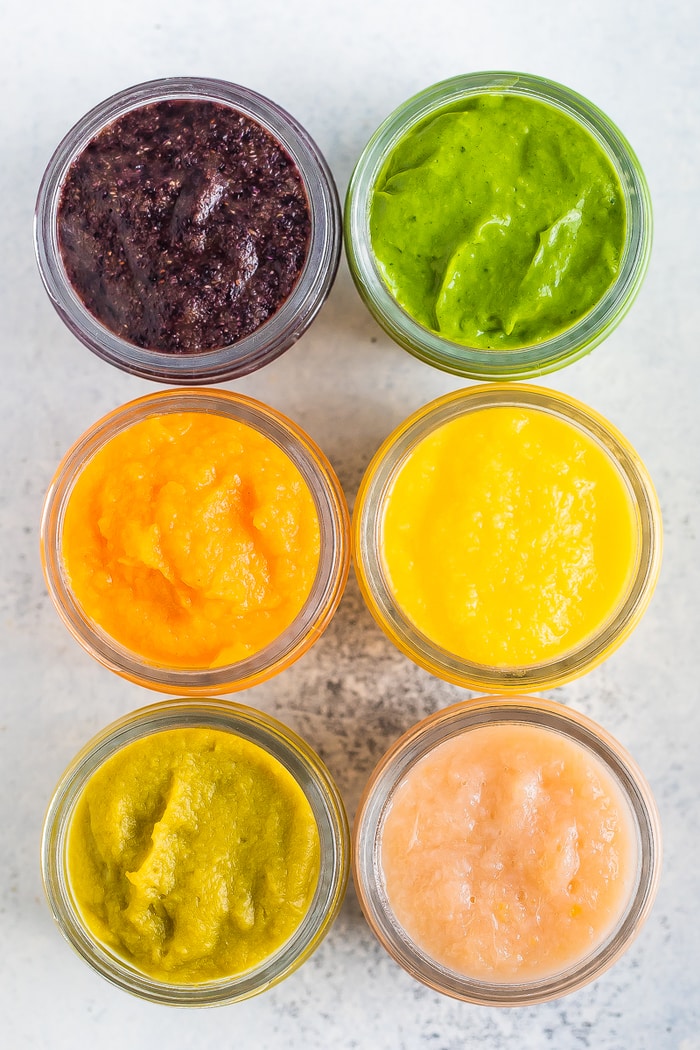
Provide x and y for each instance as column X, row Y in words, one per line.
column 193, row 854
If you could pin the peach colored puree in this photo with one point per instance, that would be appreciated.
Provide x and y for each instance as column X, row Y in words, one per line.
column 508, row 853
column 509, row 536
column 192, row 539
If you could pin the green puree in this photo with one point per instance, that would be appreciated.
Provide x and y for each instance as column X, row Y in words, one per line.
column 194, row 854
column 498, row 223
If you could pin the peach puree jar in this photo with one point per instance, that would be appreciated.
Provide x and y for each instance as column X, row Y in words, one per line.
column 326, row 586
column 413, row 540
column 406, row 871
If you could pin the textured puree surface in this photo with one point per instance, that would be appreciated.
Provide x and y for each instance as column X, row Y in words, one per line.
column 192, row 539
column 340, row 69
column 508, row 853
column 183, row 225
column 498, row 222
column 508, row 536
column 194, row 854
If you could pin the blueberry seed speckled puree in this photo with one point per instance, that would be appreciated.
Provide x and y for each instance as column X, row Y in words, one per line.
column 183, row 226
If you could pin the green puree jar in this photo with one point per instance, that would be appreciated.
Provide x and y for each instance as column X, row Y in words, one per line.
column 498, row 226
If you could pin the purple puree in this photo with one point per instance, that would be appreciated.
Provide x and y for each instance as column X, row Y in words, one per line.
column 183, row 226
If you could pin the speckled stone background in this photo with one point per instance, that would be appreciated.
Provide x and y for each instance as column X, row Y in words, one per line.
column 340, row 69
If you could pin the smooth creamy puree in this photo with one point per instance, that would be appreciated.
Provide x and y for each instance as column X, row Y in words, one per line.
column 498, row 222
column 192, row 539
column 194, row 854
column 508, row 853
column 508, row 536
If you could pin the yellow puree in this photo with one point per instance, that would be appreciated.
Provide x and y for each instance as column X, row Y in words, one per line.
column 191, row 539
column 194, row 854
column 508, row 536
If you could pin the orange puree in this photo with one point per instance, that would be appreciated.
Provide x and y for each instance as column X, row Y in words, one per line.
column 508, row 536
column 508, row 853
column 192, row 539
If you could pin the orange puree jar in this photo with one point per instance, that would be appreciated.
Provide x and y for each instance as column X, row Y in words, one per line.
column 506, row 851
column 507, row 536
column 195, row 541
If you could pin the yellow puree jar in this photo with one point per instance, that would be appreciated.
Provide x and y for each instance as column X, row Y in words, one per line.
column 195, row 852
column 195, row 541
column 507, row 537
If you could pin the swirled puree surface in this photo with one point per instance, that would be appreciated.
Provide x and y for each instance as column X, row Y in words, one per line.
column 498, row 222
column 194, row 854
column 192, row 539
column 508, row 536
column 508, row 853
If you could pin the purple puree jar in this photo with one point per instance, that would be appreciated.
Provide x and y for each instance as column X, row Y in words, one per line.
column 187, row 230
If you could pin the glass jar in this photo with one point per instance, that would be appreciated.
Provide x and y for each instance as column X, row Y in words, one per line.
column 375, row 495
column 292, row 753
column 291, row 317
column 601, row 753
column 552, row 351
column 326, row 589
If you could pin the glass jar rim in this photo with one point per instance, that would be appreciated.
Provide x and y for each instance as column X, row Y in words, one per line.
column 334, row 558
column 300, row 761
column 372, row 575
column 452, row 721
column 293, row 316
column 539, row 358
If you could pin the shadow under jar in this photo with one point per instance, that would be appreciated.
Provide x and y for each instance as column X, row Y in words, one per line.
column 506, row 851
column 498, row 225
column 187, row 230
column 228, row 869
column 195, row 541
column 507, row 537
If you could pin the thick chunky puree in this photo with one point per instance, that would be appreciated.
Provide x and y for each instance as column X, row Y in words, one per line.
column 508, row 536
column 498, row 222
column 194, row 854
column 192, row 539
